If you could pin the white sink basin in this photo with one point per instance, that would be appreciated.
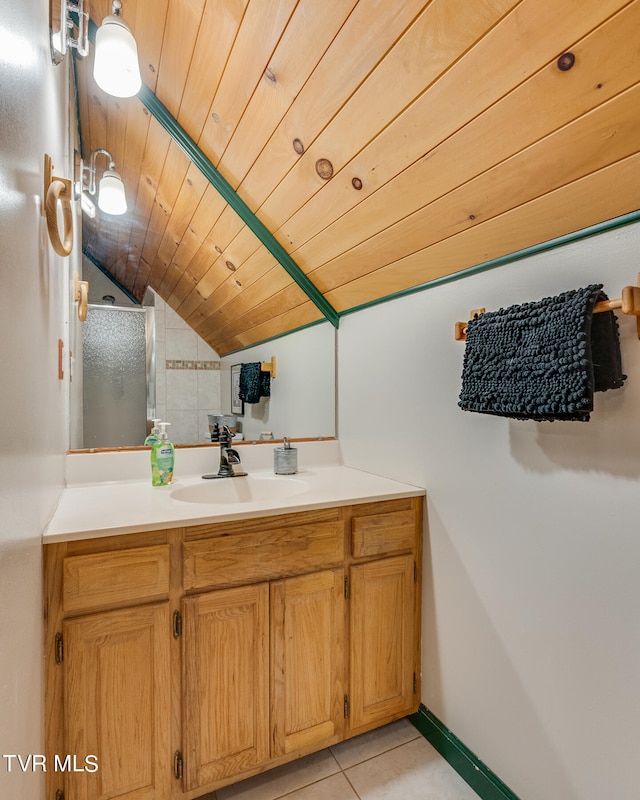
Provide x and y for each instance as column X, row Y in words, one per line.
column 248, row 489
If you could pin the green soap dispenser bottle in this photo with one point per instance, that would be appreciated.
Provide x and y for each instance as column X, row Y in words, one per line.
column 162, row 458
column 154, row 436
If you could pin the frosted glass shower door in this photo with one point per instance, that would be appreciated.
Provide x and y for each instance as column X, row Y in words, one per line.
column 114, row 362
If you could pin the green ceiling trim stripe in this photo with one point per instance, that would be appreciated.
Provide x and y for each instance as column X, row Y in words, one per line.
column 277, row 336
column 198, row 158
column 107, row 274
column 517, row 255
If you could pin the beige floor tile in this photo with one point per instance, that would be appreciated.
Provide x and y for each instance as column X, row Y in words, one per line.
column 282, row 780
column 413, row 771
column 337, row 787
column 373, row 743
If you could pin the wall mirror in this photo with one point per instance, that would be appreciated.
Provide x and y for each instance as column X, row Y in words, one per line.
column 133, row 362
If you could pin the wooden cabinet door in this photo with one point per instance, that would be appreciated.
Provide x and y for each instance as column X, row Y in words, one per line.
column 383, row 640
column 117, row 703
column 307, row 645
column 226, row 683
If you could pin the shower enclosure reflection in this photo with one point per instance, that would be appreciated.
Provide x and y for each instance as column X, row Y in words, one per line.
column 118, row 365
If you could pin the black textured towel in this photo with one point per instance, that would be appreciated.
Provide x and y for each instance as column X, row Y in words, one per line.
column 542, row 360
column 254, row 383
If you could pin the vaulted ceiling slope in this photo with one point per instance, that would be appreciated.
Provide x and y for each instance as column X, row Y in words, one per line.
column 384, row 144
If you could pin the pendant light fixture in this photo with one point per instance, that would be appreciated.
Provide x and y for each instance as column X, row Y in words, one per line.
column 115, row 64
column 116, row 68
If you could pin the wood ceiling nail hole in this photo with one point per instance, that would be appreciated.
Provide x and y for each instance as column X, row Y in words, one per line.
column 148, row 180
column 356, row 183
column 189, row 181
column 218, row 250
column 472, row 216
column 269, row 75
column 238, row 284
column 298, row 146
column 231, row 266
column 152, row 68
column 215, row 117
column 324, row 168
column 97, row 100
column 145, row 112
column 566, row 61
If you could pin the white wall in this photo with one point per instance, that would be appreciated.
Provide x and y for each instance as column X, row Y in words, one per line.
column 531, row 632
column 302, row 401
column 35, row 287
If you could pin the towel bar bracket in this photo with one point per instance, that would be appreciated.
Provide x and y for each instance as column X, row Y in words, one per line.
column 269, row 366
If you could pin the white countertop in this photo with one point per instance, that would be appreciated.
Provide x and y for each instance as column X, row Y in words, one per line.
column 106, row 508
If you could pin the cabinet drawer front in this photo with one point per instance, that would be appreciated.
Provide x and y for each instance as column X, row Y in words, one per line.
column 276, row 553
column 102, row 579
column 380, row 534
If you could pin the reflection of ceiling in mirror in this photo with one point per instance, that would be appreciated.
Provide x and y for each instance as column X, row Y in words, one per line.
column 191, row 381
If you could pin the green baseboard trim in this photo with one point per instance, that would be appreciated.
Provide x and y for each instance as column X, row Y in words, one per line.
column 480, row 778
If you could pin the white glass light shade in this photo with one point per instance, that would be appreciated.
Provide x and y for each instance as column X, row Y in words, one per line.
column 111, row 196
column 86, row 204
column 115, row 65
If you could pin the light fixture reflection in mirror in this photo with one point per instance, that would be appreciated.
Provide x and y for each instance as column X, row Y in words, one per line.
column 111, row 195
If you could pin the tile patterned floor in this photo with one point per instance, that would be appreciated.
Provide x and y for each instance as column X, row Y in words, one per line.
column 390, row 763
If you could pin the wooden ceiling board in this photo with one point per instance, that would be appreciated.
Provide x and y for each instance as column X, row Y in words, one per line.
column 262, row 26
column 560, row 98
column 148, row 27
column 155, row 154
column 455, row 118
column 297, row 317
column 437, row 118
column 306, row 39
column 606, row 135
column 283, row 300
column 571, row 208
column 362, row 41
column 137, row 129
column 235, row 305
column 433, row 42
column 311, row 30
column 210, row 207
column 180, row 34
column 432, row 128
column 174, row 171
column 229, row 225
column 220, row 24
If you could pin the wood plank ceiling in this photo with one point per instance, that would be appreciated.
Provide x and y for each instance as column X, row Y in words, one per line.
column 451, row 133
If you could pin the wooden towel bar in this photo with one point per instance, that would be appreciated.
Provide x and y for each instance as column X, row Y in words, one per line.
column 628, row 303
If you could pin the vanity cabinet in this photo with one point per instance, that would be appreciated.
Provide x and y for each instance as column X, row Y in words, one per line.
column 188, row 659
column 226, row 683
column 109, row 668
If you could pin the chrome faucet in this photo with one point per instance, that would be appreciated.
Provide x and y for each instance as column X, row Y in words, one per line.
column 228, row 457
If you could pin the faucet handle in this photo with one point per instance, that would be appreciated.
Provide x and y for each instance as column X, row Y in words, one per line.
column 226, row 434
